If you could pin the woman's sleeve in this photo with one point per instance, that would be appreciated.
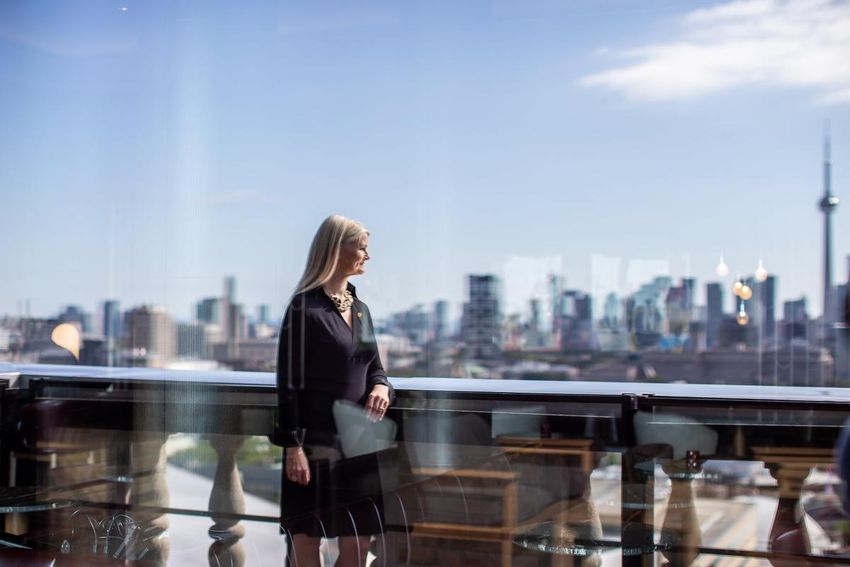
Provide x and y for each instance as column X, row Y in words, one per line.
column 376, row 373
column 290, row 375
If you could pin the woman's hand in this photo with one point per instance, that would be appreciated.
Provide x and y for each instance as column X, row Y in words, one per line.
column 377, row 402
column 297, row 468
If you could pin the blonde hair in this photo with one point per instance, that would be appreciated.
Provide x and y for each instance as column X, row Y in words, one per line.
column 334, row 231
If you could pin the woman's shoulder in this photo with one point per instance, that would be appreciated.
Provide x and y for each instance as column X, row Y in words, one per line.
column 305, row 300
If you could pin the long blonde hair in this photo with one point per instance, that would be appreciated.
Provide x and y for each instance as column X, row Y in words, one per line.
column 334, row 231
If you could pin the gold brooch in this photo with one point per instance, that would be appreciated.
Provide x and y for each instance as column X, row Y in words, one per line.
column 359, row 314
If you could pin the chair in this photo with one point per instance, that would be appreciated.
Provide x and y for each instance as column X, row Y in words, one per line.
column 464, row 479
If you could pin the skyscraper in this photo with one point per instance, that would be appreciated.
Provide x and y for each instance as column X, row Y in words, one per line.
column 827, row 205
column 75, row 314
column 688, row 287
column 646, row 311
column 231, row 315
column 441, row 320
column 111, row 330
column 209, row 310
column 765, row 296
column 842, row 331
column 576, row 321
column 680, row 305
column 151, row 335
column 794, row 319
column 534, row 337
column 230, row 288
column 556, row 288
column 481, row 322
column 191, row 340
column 714, row 313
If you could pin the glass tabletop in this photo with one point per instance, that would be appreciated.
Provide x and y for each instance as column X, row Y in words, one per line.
column 554, row 538
column 29, row 499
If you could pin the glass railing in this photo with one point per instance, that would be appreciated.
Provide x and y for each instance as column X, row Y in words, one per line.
column 152, row 467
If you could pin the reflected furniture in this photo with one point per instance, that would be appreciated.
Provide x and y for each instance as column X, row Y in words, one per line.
column 450, row 479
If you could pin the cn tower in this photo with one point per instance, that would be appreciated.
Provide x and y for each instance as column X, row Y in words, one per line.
column 827, row 205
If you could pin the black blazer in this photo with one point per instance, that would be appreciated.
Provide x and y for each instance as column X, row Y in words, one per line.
column 320, row 359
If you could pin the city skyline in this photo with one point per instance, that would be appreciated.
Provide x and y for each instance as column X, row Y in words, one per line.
column 469, row 139
column 659, row 321
column 526, row 288
column 205, row 308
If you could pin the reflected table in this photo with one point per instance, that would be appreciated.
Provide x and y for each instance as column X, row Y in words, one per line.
column 554, row 538
column 23, row 499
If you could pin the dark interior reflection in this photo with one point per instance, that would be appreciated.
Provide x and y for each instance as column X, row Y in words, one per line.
column 94, row 472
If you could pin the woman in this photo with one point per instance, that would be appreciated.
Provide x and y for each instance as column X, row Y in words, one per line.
column 326, row 353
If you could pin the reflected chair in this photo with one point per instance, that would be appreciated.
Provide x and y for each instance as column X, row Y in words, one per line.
column 60, row 453
column 459, row 483
column 57, row 458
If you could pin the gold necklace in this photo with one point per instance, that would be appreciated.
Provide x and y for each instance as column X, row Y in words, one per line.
column 342, row 301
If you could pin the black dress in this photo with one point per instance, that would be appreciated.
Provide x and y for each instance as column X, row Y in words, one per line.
column 321, row 360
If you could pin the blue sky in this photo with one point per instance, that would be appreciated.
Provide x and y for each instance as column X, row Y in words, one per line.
column 150, row 148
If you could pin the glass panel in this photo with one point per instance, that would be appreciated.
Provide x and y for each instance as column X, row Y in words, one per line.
column 607, row 277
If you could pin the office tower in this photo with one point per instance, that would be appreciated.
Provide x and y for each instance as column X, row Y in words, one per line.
column 75, row 314
column 191, row 340
column 208, row 310
column 844, row 299
column 688, row 287
column 481, row 323
column 441, row 320
column 556, row 288
column 576, row 318
column 228, row 298
column 5, row 339
column 764, row 296
column 262, row 313
column 714, row 313
column 415, row 324
column 93, row 352
column 534, row 337
column 237, row 323
column 230, row 288
column 611, row 311
column 151, row 335
column 112, row 330
column 647, row 312
column 842, row 331
column 795, row 310
column 679, row 304
column 231, row 318
column 827, row 205
column 795, row 319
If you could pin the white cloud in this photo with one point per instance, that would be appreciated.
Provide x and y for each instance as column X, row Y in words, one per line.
column 766, row 43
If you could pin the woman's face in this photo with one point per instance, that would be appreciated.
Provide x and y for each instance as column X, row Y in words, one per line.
column 353, row 256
